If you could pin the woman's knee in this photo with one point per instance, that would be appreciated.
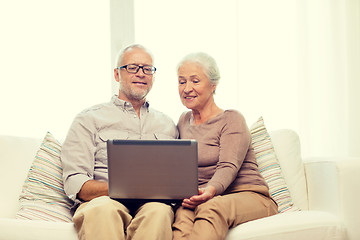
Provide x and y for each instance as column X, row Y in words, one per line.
column 208, row 209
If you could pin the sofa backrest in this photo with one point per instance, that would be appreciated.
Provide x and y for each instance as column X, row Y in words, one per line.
column 16, row 156
column 286, row 144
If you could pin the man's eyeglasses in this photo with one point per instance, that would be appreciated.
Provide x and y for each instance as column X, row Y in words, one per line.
column 133, row 68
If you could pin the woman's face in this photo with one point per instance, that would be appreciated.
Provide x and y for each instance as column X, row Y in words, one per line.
column 195, row 89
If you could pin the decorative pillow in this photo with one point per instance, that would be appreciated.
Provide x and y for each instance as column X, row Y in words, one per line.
column 42, row 196
column 270, row 168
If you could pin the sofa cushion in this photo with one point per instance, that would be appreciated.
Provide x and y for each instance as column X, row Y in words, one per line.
column 269, row 167
column 291, row 225
column 286, row 144
column 42, row 196
column 15, row 229
column 16, row 155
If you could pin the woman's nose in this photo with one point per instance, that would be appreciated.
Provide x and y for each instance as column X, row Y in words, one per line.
column 188, row 87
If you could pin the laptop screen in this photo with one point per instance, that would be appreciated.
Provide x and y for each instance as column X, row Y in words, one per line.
column 154, row 170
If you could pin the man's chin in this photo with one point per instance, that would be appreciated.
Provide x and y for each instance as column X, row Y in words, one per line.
column 138, row 96
column 134, row 94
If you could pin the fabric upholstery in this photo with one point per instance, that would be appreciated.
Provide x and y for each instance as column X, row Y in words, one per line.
column 43, row 196
column 286, row 144
column 270, row 168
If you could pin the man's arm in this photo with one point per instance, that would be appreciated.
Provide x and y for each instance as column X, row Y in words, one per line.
column 93, row 189
column 77, row 156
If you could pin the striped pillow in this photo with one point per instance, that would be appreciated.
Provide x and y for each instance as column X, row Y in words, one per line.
column 269, row 167
column 42, row 196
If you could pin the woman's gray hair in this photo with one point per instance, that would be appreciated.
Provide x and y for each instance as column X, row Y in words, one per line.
column 207, row 62
column 120, row 55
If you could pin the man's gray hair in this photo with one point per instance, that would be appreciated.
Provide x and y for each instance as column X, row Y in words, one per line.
column 207, row 62
column 120, row 55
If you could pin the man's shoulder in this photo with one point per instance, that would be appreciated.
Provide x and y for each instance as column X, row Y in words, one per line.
column 159, row 114
column 96, row 108
column 162, row 124
column 90, row 115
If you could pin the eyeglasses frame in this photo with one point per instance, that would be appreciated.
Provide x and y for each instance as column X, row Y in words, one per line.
column 142, row 68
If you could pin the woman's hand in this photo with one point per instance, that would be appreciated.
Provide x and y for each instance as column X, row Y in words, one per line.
column 205, row 194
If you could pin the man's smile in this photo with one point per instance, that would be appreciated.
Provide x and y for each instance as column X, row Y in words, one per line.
column 139, row 82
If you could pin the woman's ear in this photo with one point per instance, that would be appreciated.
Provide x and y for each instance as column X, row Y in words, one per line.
column 213, row 88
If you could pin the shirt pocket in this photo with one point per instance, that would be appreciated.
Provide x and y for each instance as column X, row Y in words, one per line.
column 109, row 135
column 160, row 136
column 101, row 153
column 155, row 136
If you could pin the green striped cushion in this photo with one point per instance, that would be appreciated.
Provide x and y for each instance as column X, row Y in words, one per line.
column 269, row 167
column 42, row 196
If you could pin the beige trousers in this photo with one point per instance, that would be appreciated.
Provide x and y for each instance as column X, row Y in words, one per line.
column 104, row 218
column 212, row 219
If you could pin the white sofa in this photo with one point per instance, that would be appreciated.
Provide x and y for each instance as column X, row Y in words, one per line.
column 325, row 189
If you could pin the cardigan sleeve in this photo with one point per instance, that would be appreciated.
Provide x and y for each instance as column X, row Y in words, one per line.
column 234, row 143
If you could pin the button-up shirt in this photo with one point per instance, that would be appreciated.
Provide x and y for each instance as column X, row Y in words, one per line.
column 84, row 152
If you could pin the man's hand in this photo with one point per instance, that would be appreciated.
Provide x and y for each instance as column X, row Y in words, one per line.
column 93, row 189
column 205, row 194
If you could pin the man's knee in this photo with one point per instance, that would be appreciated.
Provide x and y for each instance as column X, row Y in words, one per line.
column 101, row 207
column 156, row 209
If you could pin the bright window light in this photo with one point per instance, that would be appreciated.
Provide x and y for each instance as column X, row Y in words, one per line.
column 55, row 61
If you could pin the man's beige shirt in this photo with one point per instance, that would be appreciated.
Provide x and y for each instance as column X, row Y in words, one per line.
column 84, row 154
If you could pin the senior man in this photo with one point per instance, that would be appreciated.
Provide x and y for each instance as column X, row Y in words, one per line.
column 84, row 156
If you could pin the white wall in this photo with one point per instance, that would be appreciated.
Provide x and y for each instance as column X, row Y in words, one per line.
column 329, row 78
column 172, row 34
column 254, row 43
column 256, row 65
column 55, row 58
column 353, row 60
column 295, row 62
column 268, row 62
column 122, row 31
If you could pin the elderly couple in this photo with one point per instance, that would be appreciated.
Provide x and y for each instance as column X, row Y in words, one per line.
column 231, row 192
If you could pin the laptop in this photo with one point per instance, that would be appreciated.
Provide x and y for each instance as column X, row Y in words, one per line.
column 152, row 170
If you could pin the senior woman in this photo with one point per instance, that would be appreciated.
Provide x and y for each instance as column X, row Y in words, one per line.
column 231, row 189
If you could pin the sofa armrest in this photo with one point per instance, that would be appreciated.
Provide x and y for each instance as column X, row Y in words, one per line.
column 333, row 186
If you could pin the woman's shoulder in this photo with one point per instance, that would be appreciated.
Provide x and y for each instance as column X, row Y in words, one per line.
column 234, row 119
column 184, row 117
column 233, row 115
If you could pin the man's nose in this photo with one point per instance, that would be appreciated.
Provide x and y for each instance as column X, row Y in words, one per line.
column 140, row 72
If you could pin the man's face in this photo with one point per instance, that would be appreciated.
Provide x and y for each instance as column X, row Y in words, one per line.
column 134, row 86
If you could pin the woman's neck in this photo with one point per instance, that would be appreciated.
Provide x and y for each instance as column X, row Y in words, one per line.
column 203, row 115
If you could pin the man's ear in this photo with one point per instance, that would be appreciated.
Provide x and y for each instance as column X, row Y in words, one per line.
column 116, row 74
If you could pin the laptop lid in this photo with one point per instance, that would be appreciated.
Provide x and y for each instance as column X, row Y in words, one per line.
column 152, row 170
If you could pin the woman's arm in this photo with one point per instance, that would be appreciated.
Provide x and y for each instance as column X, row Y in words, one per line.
column 234, row 143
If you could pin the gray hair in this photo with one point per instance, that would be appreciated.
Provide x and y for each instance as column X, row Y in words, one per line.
column 207, row 62
column 120, row 55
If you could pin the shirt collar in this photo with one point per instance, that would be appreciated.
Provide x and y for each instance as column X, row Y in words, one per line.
column 124, row 104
